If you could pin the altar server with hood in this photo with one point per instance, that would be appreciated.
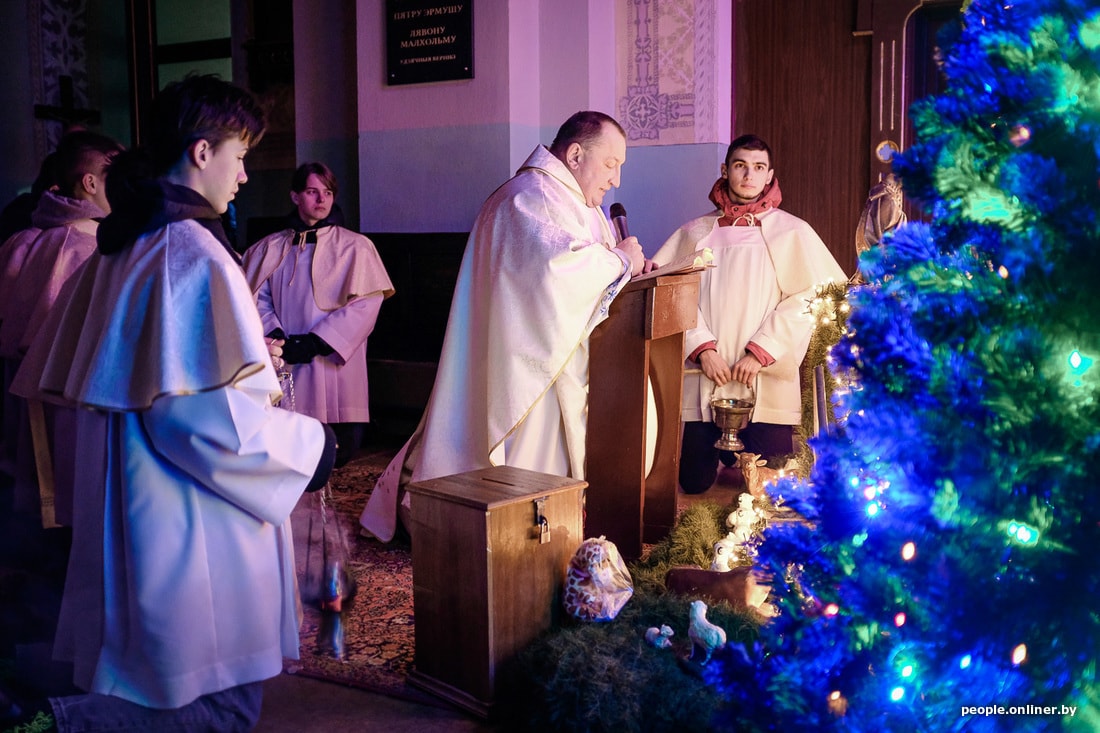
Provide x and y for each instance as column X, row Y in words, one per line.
column 66, row 220
column 180, row 596
column 754, row 322
column 540, row 270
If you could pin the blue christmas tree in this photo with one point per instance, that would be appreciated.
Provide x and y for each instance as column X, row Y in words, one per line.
column 952, row 562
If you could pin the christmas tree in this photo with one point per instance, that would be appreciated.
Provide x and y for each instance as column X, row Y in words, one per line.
column 949, row 576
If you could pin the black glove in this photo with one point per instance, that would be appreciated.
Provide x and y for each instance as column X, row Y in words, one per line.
column 323, row 349
column 324, row 466
column 301, row 348
column 278, row 334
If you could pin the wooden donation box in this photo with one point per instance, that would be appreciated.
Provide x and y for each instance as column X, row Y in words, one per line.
column 490, row 549
column 642, row 337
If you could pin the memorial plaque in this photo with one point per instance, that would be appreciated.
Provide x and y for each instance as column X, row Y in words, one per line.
column 429, row 40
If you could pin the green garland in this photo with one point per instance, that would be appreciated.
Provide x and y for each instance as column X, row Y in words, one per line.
column 830, row 311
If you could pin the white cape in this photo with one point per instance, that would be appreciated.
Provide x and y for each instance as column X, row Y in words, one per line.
column 181, row 579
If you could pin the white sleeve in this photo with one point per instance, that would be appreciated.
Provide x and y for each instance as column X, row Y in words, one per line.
column 265, row 306
column 346, row 329
column 239, row 446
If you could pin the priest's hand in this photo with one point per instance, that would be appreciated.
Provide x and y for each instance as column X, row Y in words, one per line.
column 633, row 251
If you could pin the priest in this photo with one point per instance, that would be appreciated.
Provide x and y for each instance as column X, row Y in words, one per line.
column 540, row 270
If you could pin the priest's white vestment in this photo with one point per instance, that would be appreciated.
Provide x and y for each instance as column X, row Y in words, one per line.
column 538, row 275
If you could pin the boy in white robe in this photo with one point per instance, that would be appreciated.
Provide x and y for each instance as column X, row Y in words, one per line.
column 538, row 275
column 754, row 323
column 181, row 595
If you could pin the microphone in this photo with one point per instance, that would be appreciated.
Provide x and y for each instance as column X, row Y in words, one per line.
column 618, row 220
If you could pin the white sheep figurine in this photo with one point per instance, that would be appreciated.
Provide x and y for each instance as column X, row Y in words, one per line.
column 659, row 638
column 704, row 635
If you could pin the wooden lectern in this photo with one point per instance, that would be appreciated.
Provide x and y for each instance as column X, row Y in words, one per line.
column 642, row 336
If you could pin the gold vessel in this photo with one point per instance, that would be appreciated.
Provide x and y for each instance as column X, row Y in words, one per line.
column 731, row 415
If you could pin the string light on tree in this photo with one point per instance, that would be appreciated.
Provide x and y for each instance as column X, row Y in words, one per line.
column 1023, row 533
column 838, row 704
column 1078, row 365
column 1019, row 135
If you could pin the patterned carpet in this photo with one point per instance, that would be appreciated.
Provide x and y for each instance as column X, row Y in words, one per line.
column 378, row 625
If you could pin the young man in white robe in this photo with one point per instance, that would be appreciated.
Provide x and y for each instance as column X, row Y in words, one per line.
column 754, row 323
column 319, row 288
column 180, row 596
column 539, row 273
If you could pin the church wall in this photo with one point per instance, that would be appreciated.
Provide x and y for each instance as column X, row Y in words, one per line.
column 18, row 160
column 428, row 152
column 325, row 94
column 663, row 67
column 535, row 63
column 673, row 95
column 665, row 186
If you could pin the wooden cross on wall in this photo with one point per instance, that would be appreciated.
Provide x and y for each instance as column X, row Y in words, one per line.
column 67, row 112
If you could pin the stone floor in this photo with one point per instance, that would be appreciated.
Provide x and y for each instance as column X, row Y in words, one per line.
column 294, row 704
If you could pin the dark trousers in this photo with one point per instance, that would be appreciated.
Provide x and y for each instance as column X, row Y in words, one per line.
column 349, row 439
column 227, row 711
column 699, row 458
